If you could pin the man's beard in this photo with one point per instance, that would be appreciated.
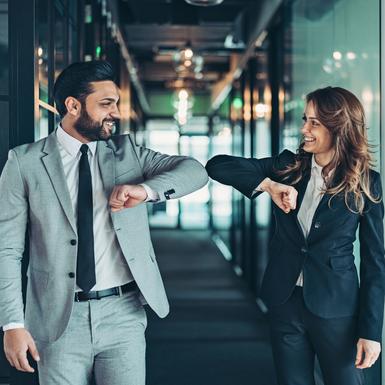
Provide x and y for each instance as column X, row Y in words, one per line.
column 90, row 129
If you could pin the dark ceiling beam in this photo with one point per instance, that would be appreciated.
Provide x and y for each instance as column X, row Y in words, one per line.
column 154, row 31
column 178, row 12
column 264, row 12
column 128, row 59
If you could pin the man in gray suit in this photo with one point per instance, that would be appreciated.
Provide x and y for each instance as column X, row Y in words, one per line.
column 79, row 193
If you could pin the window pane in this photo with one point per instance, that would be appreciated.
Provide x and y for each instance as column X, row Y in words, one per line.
column 4, row 133
column 4, row 76
column 60, row 50
column 42, row 50
column 41, row 129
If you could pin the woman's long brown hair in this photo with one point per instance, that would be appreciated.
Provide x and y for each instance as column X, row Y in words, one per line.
column 343, row 115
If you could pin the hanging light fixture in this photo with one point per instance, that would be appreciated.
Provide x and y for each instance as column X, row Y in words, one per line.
column 204, row 3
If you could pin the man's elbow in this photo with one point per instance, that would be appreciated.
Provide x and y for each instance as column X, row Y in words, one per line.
column 201, row 176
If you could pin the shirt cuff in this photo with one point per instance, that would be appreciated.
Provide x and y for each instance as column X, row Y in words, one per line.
column 257, row 189
column 13, row 325
column 152, row 196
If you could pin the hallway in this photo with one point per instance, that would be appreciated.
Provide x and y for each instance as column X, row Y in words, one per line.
column 215, row 334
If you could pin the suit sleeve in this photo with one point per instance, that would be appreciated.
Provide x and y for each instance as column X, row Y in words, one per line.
column 13, row 223
column 372, row 268
column 170, row 176
column 246, row 174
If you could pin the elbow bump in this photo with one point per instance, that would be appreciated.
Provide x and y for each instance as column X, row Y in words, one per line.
column 214, row 162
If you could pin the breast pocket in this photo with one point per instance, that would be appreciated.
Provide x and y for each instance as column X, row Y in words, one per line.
column 131, row 176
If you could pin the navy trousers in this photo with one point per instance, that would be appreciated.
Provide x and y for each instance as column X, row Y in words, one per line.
column 298, row 336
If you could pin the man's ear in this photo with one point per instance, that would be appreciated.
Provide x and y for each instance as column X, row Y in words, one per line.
column 73, row 106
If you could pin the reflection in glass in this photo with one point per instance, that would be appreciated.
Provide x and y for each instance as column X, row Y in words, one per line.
column 41, row 129
column 325, row 48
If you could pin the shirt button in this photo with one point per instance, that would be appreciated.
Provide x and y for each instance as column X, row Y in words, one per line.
column 73, row 242
column 317, row 225
column 71, row 274
column 303, row 249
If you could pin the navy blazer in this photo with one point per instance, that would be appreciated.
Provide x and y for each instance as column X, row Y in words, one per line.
column 331, row 284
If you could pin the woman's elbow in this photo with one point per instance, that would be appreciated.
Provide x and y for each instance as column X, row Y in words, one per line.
column 215, row 164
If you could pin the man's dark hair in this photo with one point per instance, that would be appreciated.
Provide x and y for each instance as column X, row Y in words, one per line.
column 75, row 81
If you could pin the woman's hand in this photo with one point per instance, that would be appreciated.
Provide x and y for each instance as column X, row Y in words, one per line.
column 367, row 353
column 284, row 196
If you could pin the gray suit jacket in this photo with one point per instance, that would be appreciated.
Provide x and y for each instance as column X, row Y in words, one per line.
column 34, row 197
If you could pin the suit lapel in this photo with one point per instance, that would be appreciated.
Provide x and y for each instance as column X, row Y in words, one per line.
column 106, row 161
column 54, row 167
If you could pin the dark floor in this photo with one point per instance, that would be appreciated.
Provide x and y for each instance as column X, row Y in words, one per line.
column 214, row 334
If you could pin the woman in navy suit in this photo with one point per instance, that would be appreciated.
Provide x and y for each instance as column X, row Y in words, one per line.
column 318, row 306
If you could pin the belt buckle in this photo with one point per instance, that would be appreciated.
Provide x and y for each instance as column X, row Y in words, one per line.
column 120, row 291
column 77, row 297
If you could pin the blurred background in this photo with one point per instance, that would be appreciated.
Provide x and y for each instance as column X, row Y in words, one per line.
column 199, row 78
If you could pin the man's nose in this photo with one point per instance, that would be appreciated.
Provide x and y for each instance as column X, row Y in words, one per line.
column 116, row 113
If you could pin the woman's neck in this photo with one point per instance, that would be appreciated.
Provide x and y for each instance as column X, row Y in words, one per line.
column 323, row 159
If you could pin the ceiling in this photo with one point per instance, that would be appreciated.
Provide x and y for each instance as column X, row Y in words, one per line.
column 156, row 30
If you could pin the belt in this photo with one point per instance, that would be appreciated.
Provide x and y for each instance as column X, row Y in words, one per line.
column 81, row 296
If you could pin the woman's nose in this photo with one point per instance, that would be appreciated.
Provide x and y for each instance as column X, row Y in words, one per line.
column 305, row 128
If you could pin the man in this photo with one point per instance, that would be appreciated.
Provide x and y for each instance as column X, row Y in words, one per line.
column 79, row 194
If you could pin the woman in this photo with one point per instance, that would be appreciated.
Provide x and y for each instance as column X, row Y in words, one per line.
column 322, row 195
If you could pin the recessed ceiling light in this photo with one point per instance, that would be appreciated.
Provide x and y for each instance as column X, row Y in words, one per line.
column 204, row 3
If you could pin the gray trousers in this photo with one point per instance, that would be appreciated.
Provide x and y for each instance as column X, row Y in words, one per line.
column 104, row 339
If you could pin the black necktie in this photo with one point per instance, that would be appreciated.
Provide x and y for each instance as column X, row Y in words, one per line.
column 85, row 269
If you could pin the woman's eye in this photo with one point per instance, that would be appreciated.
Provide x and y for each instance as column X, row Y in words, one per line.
column 304, row 118
column 314, row 124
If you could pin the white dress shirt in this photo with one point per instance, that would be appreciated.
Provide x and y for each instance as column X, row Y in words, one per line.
column 111, row 268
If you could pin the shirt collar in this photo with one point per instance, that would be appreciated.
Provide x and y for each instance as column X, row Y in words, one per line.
column 317, row 169
column 71, row 144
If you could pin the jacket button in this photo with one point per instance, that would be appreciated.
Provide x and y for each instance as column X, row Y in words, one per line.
column 303, row 249
column 317, row 225
column 71, row 274
column 73, row 242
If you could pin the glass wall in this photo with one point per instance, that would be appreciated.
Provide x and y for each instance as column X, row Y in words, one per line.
column 4, row 130
column 4, row 82
column 221, row 195
column 69, row 31
column 164, row 135
column 325, row 47
column 332, row 44
column 56, row 44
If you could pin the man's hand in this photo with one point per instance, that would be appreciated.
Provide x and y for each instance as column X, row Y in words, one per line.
column 367, row 353
column 16, row 344
column 284, row 196
column 126, row 195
